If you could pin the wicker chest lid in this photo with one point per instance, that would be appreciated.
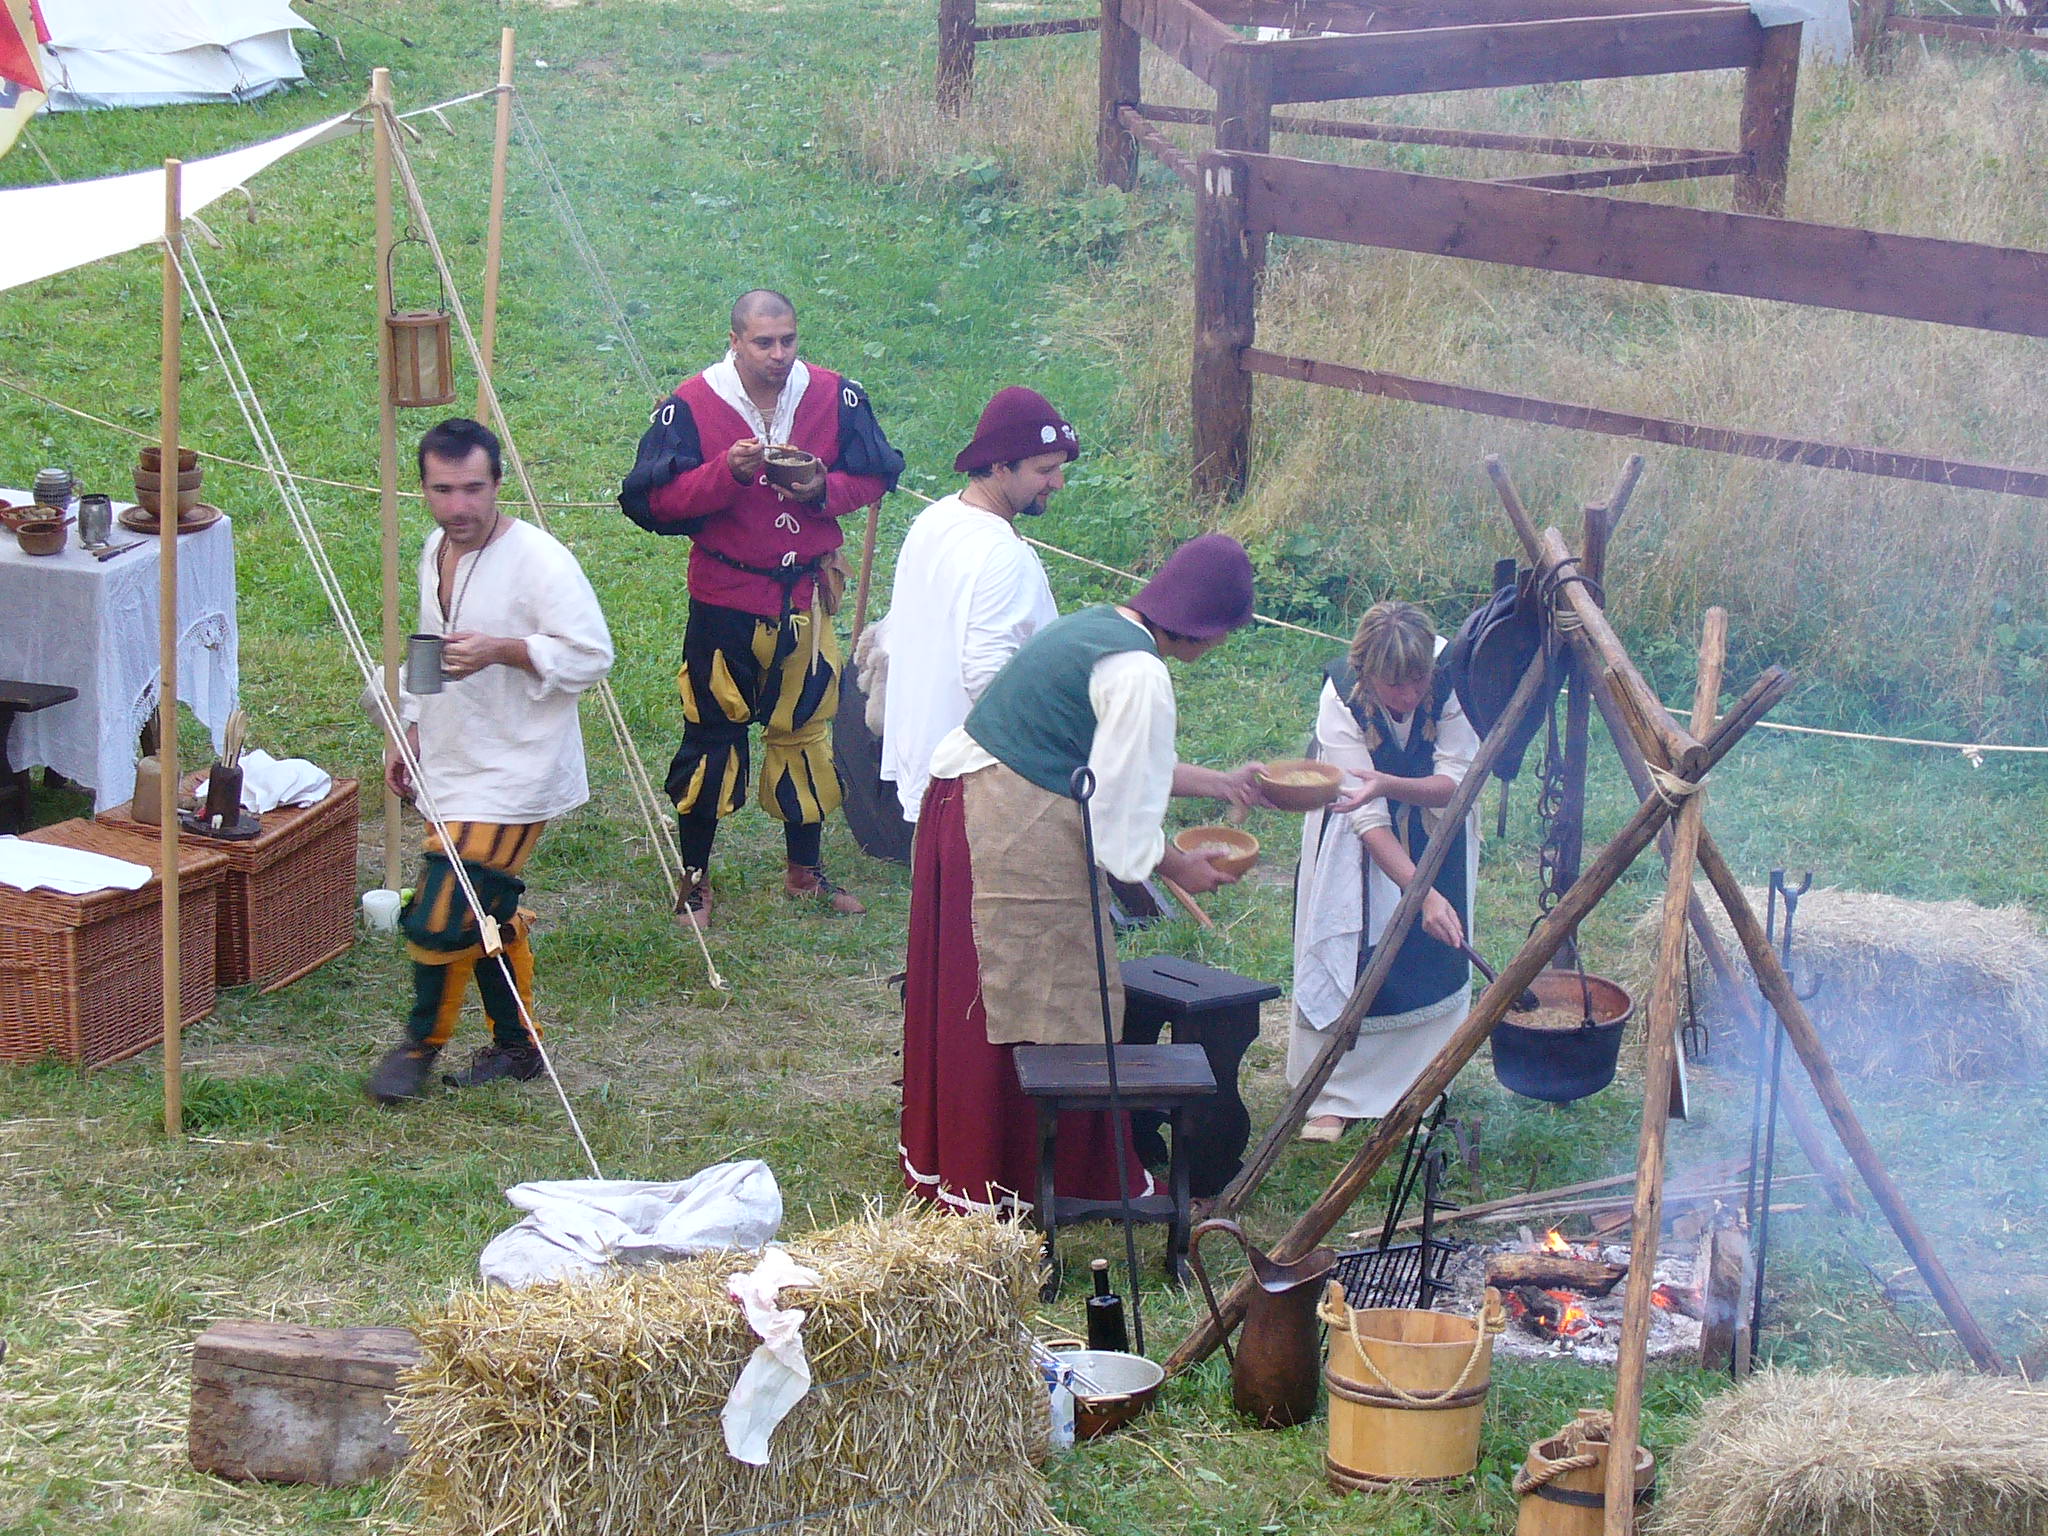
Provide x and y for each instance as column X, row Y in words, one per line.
column 197, row 867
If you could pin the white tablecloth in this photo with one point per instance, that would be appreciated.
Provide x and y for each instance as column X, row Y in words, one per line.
column 72, row 620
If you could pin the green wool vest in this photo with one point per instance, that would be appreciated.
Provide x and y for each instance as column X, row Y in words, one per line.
column 1035, row 717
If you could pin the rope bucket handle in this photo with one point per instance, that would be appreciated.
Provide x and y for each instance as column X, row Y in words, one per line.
column 1343, row 1317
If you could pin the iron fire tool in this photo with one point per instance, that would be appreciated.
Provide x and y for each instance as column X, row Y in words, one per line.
column 1762, row 1213
column 1082, row 786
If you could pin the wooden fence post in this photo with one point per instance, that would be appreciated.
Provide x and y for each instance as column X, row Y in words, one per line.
column 1244, row 114
column 1769, row 88
column 955, row 85
column 1116, row 152
column 1225, row 321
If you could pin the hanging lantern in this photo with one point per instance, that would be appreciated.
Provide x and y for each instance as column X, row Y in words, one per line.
column 422, row 350
column 422, row 358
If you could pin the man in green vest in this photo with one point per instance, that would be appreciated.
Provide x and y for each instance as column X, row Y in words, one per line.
column 1001, row 951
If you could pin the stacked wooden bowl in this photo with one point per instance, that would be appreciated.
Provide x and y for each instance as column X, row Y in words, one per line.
column 149, row 481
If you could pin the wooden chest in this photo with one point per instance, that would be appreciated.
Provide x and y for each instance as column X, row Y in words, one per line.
column 289, row 1404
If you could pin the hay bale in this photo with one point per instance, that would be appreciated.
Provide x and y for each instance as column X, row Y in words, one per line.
column 1836, row 1455
column 1946, row 990
column 593, row 1407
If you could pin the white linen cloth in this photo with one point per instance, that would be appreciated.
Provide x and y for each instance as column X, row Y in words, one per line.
column 968, row 592
column 502, row 744
column 1132, row 759
column 777, row 1375
column 724, row 378
column 1330, row 891
column 69, row 871
column 582, row 1227
column 92, row 625
column 268, row 782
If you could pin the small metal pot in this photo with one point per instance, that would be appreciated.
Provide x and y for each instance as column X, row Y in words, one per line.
column 423, row 664
column 1128, row 1384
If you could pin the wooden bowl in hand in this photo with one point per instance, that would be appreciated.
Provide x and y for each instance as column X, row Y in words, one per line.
column 1230, row 849
column 1301, row 783
column 788, row 467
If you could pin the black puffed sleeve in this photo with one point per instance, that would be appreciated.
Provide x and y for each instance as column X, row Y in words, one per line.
column 668, row 448
column 862, row 448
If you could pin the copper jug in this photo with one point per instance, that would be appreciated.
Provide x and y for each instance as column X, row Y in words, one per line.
column 1279, row 1357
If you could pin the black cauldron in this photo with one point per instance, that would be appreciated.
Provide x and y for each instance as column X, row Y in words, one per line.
column 1559, row 1065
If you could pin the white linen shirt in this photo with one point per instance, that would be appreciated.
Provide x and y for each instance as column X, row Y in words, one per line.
column 1340, row 741
column 504, row 745
column 1133, row 759
column 968, row 592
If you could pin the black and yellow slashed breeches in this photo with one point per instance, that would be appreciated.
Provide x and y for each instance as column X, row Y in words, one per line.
column 442, row 936
column 739, row 668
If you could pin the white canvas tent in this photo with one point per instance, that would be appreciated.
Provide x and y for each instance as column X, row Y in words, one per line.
column 151, row 53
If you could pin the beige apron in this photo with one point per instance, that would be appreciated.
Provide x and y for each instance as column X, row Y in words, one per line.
column 1037, row 959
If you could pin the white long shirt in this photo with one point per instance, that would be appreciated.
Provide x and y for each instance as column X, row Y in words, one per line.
column 969, row 591
column 1132, row 758
column 503, row 744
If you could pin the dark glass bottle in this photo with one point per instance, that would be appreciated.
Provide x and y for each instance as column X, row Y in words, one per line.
column 1106, row 1314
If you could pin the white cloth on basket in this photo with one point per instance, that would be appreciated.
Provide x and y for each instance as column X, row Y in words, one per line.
column 268, row 782
column 69, row 871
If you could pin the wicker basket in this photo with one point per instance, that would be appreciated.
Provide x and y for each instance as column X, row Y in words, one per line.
column 289, row 904
column 81, row 977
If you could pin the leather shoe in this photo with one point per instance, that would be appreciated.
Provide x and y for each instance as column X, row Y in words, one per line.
column 802, row 882
column 521, row 1063
column 402, row 1073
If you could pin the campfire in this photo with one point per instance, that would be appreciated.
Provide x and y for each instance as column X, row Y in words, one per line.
column 1564, row 1297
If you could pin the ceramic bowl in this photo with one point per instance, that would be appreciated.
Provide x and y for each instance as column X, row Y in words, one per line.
column 41, row 536
column 787, row 466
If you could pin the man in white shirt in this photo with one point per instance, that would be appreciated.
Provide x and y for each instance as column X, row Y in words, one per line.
column 499, row 748
column 968, row 589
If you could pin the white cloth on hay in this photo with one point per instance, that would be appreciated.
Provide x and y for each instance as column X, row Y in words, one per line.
column 69, row 871
column 777, row 1374
column 583, row 1227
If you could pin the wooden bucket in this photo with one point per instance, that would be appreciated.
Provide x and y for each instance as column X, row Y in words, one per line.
column 1561, row 1495
column 1407, row 1391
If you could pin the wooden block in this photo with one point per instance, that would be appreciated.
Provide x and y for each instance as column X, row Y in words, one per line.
column 281, row 1403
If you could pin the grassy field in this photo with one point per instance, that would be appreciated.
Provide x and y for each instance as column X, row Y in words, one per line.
column 713, row 148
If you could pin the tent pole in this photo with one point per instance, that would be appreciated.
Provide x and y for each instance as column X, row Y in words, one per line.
column 495, row 243
column 167, row 656
column 387, row 442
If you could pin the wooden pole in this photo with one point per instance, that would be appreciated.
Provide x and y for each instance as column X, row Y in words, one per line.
column 1118, row 60
column 1487, row 1011
column 495, row 242
column 1343, row 1031
column 1579, row 613
column 387, row 443
column 1569, row 835
column 1770, row 87
column 1225, row 322
column 955, row 84
column 1660, row 1071
column 867, row 571
column 167, row 654
column 1841, row 1193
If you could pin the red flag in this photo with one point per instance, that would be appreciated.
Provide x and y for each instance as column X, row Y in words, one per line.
column 21, row 30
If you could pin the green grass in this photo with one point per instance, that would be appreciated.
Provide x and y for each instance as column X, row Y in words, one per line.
column 710, row 149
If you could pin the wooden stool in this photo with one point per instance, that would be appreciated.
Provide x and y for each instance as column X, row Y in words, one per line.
column 1219, row 1011
column 1057, row 1078
column 21, row 699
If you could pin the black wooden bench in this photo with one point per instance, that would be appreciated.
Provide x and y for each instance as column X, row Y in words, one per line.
column 21, row 699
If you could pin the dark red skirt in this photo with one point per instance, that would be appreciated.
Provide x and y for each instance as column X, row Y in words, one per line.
column 969, row 1138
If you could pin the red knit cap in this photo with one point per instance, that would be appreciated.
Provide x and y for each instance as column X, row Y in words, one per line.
column 1204, row 590
column 1017, row 424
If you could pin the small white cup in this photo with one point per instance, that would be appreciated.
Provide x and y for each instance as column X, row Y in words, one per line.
column 380, row 911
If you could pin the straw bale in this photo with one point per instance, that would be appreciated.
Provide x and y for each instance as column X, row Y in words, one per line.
column 1946, row 990
column 1837, row 1455
column 593, row 1406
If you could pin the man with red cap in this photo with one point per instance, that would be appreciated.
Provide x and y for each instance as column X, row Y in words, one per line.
column 968, row 589
column 1001, row 951
column 757, row 646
